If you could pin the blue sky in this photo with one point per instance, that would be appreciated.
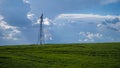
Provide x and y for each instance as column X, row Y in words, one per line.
column 65, row 21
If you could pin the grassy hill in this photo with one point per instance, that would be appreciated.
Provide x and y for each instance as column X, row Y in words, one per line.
column 97, row 55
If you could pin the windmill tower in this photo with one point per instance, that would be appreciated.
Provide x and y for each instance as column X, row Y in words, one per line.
column 41, row 32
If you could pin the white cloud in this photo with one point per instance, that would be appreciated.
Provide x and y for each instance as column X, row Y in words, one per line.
column 66, row 26
column 46, row 21
column 10, row 37
column 8, row 32
column 89, row 37
column 112, row 24
column 90, row 26
column 47, row 25
column 30, row 15
column 26, row 1
column 85, row 16
column 91, row 18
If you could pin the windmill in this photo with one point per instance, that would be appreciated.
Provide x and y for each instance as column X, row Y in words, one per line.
column 41, row 32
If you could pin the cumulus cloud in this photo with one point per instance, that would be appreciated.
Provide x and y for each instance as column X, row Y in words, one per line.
column 109, row 21
column 112, row 24
column 7, row 31
column 89, row 37
column 92, row 27
column 30, row 16
column 26, row 1
column 46, row 22
column 36, row 21
column 65, row 27
column 84, row 18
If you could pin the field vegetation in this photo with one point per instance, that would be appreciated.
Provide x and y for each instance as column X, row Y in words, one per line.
column 89, row 55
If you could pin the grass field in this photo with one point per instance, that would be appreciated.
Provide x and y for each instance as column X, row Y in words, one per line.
column 93, row 55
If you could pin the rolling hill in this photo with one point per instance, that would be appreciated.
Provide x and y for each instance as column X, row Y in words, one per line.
column 89, row 55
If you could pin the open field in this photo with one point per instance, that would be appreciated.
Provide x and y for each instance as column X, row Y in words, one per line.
column 93, row 55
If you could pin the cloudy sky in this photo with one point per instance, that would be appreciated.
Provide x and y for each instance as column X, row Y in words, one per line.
column 65, row 21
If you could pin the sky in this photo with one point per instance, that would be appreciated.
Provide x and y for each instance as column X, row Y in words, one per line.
column 65, row 21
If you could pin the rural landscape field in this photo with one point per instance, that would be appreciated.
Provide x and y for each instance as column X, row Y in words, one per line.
column 86, row 55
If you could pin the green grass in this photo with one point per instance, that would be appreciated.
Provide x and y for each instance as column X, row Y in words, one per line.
column 93, row 55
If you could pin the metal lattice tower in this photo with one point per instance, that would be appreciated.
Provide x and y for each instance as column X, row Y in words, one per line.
column 41, row 32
